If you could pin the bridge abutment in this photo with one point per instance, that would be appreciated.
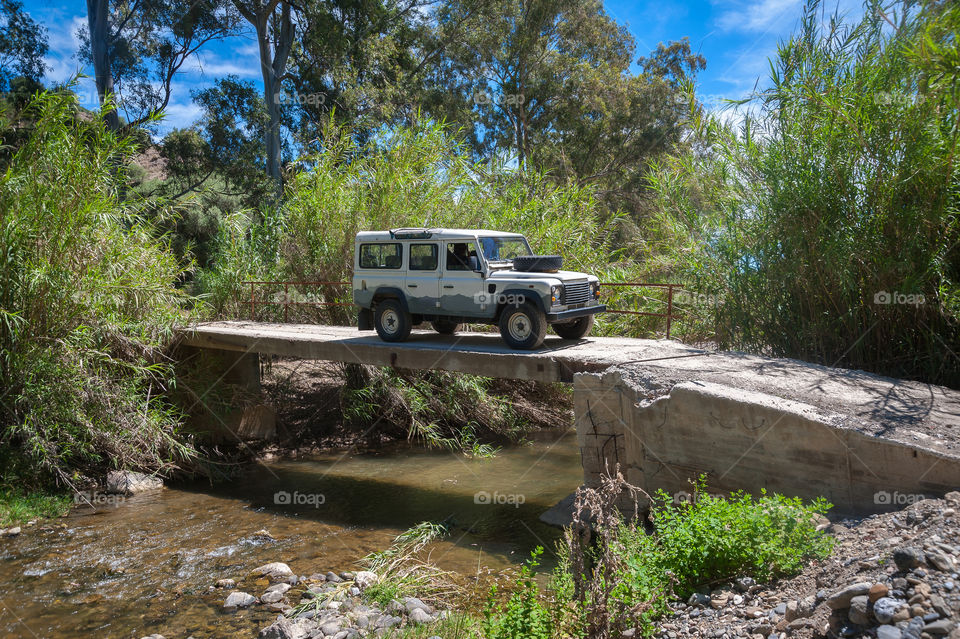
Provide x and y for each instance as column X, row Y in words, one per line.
column 746, row 440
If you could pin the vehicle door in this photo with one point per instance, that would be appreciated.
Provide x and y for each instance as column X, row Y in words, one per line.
column 462, row 287
column 423, row 277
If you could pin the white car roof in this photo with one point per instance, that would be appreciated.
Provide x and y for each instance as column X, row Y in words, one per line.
column 435, row 234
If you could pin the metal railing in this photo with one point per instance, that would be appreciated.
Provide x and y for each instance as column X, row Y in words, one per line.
column 287, row 301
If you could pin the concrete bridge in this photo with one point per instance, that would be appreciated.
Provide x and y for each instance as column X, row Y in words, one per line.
column 666, row 412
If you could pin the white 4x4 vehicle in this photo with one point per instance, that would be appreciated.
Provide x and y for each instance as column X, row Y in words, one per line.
column 454, row 276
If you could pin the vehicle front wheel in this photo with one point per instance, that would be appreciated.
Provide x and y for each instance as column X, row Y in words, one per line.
column 392, row 322
column 577, row 329
column 445, row 327
column 523, row 327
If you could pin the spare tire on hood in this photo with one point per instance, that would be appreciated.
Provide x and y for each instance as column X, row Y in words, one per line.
column 537, row 263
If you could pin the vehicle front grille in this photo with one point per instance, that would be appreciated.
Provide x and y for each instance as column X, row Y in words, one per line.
column 576, row 293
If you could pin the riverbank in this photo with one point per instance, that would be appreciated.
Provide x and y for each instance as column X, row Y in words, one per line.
column 891, row 576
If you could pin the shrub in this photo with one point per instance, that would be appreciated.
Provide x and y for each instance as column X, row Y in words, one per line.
column 87, row 304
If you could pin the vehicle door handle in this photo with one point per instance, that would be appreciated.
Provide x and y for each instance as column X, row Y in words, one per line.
column 411, row 286
column 448, row 286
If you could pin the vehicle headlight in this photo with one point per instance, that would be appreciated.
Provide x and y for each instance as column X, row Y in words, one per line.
column 556, row 294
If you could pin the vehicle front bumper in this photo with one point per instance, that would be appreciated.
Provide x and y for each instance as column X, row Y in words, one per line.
column 574, row 313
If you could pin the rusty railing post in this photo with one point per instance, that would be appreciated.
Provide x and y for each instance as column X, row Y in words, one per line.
column 253, row 305
column 669, row 308
column 286, row 302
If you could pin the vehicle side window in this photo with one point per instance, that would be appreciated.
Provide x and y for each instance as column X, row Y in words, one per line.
column 381, row 255
column 423, row 257
column 461, row 256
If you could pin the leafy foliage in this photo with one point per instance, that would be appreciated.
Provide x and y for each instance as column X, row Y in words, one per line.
column 87, row 303
column 825, row 226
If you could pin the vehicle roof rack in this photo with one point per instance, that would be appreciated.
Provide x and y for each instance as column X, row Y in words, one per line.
column 411, row 233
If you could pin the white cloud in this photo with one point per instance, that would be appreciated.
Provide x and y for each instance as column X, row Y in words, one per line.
column 61, row 59
column 761, row 16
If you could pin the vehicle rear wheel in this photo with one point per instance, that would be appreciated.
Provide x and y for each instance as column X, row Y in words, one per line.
column 577, row 329
column 523, row 327
column 445, row 327
column 392, row 322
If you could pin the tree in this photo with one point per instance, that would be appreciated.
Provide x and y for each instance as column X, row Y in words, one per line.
column 275, row 27
column 552, row 84
column 23, row 43
column 137, row 48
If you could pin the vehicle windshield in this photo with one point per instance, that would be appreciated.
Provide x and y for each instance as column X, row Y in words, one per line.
column 500, row 249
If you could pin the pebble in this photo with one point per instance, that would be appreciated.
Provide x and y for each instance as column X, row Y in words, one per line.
column 226, row 583
column 841, row 598
column 886, row 607
column 877, row 591
column 888, row 632
column 238, row 599
column 859, row 612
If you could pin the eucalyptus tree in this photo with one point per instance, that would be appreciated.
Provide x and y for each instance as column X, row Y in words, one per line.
column 23, row 43
column 137, row 47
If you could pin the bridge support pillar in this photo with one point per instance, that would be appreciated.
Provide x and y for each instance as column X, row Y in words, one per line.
column 221, row 393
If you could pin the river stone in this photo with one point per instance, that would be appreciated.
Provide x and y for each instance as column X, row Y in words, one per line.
column 284, row 628
column 888, row 632
column 154, row 636
column 275, row 570
column 125, row 482
column 333, row 577
column 330, row 628
column 941, row 627
column 12, row 532
column 364, row 579
column 282, row 588
column 412, row 603
column 418, row 616
column 907, row 557
column 885, row 608
column 239, row 599
column 859, row 613
column 940, row 561
column 271, row 596
column 388, row 621
column 841, row 598
column 226, row 583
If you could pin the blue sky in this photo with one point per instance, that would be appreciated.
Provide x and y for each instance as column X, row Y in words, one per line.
column 735, row 36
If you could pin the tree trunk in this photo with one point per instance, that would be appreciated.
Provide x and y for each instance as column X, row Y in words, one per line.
column 98, row 21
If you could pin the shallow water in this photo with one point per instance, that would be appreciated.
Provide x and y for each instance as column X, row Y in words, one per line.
column 147, row 564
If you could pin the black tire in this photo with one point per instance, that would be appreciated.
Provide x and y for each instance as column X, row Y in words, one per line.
column 537, row 263
column 577, row 329
column 392, row 322
column 523, row 327
column 445, row 327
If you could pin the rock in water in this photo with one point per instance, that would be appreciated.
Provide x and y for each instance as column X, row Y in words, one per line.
column 284, row 628
column 125, row 482
column 275, row 570
column 239, row 599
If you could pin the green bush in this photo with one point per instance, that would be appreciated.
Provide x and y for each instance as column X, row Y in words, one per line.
column 615, row 576
column 714, row 539
column 525, row 615
column 87, row 304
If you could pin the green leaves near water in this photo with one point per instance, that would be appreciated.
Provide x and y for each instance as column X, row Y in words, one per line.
column 87, row 302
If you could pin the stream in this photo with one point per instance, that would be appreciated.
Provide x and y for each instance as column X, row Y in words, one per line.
column 147, row 564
